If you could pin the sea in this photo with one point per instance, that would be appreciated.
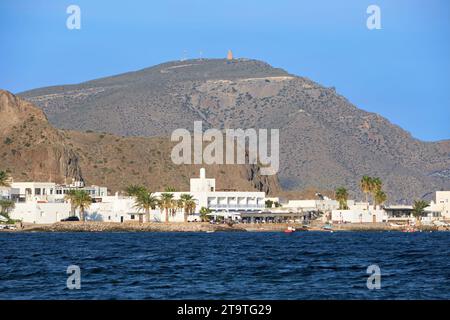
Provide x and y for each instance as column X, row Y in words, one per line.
column 225, row 265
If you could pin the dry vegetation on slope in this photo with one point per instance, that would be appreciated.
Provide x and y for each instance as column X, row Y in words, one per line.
column 31, row 149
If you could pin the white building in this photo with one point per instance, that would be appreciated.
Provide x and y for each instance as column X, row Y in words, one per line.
column 202, row 189
column 40, row 212
column 325, row 205
column 49, row 191
column 356, row 215
column 43, row 202
column 443, row 202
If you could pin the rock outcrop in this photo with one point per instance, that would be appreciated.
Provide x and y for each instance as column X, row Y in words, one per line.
column 32, row 150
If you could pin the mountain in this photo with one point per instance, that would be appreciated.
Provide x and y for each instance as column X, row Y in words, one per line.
column 31, row 149
column 325, row 141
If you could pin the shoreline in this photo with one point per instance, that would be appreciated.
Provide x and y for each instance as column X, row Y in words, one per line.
column 204, row 227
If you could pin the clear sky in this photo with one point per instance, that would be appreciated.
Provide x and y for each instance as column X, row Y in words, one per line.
column 401, row 71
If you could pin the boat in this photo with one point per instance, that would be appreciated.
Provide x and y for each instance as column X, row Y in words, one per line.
column 289, row 230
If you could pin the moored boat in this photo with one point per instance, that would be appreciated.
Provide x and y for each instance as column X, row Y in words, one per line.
column 289, row 230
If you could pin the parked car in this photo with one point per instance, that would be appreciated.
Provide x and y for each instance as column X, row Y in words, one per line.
column 73, row 218
column 194, row 218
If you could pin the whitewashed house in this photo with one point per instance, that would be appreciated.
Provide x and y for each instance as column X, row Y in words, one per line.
column 443, row 203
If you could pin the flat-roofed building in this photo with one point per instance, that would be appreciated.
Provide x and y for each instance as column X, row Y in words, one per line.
column 443, row 202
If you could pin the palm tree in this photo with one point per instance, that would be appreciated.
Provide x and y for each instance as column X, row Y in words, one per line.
column 5, row 208
column 342, row 197
column 188, row 204
column 380, row 197
column 79, row 199
column 166, row 203
column 4, row 179
column 134, row 190
column 145, row 201
column 204, row 214
column 366, row 186
column 375, row 187
column 418, row 209
column 178, row 204
column 376, row 184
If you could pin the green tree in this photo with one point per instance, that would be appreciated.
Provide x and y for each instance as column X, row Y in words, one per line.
column 419, row 209
column 79, row 199
column 5, row 208
column 145, row 201
column 375, row 188
column 376, row 184
column 366, row 186
column 166, row 203
column 188, row 204
column 134, row 190
column 380, row 197
column 342, row 197
column 4, row 179
column 269, row 203
column 204, row 214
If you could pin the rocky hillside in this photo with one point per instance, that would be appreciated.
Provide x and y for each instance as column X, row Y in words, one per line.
column 31, row 149
column 325, row 141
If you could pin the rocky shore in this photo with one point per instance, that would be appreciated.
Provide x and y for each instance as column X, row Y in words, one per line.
column 198, row 227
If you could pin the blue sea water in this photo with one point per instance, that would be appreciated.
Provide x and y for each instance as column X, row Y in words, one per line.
column 302, row 265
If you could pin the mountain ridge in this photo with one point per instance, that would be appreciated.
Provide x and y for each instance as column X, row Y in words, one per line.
column 325, row 140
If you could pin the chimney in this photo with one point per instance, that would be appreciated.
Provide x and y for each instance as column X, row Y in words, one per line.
column 202, row 173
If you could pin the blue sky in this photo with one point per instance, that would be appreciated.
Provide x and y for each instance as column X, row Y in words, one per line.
column 401, row 71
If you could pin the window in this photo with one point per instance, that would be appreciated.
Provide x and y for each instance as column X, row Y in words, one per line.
column 37, row 191
column 132, row 217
